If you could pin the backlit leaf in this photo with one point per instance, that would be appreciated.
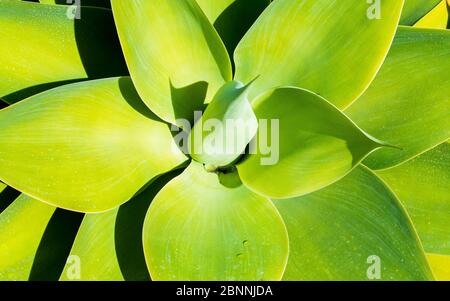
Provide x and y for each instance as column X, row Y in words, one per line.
column 311, row 144
column 352, row 230
column 199, row 228
column 86, row 147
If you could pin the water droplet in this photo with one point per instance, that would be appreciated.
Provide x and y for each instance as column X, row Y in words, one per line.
column 245, row 243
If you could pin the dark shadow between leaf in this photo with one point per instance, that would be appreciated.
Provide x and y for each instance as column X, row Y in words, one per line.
column 448, row 23
column 128, row 230
column 7, row 196
column 236, row 20
column 55, row 245
column 3, row 104
column 187, row 99
column 30, row 91
column 98, row 43
column 132, row 97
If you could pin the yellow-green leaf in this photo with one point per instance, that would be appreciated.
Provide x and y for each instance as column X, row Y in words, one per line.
column 440, row 264
column 354, row 229
column 408, row 104
column 86, row 147
column 312, row 144
column 333, row 48
column 42, row 48
column 198, row 228
column 228, row 124
column 436, row 18
column 416, row 9
column 422, row 185
column 171, row 45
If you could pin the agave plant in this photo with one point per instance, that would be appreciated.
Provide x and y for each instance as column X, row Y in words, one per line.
column 351, row 98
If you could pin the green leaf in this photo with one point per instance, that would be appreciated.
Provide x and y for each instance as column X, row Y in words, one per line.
column 36, row 240
column 436, row 18
column 314, row 45
column 407, row 104
column 312, row 144
column 42, row 48
column 93, row 255
column 97, row 3
column 340, row 232
column 416, row 9
column 86, row 147
column 224, row 13
column 109, row 245
column 440, row 264
column 422, row 185
column 213, row 9
column 221, row 135
column 197, row 229
column 170, row 44
column 22, row 226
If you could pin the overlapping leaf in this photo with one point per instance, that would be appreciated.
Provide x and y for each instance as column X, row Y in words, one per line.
column 42, row 48
column 422, row 185
column 416, row 9
column 343, row 231
column 310, row 144
column 408, row 102
column 436, row 18
column 170, row 46
column 198, row 228
column 333, row 48
column 109, row 246
column 87, row 147
column 226, row 127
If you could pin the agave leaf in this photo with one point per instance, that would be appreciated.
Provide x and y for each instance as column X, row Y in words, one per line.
column 94, row 250
column 422, row 185
column 35, row 240
column 307, row 44
column 408, row 103
column 86, row 147
column 197, row 228
column 7, row 196
column 213, row 9
column 340, row 232
column 225, row 13
column 436, row 18
column 440, row 264
column 416, row 9
column 317, row 146
column 226, row 127
column 170, row 44
column 109, row 245
column 42, row 48
column 97, row 3
column 22, row 226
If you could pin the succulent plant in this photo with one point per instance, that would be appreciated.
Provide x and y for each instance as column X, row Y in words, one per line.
column 339, row 168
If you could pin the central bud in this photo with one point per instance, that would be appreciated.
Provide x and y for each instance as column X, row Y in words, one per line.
column 221, row 134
